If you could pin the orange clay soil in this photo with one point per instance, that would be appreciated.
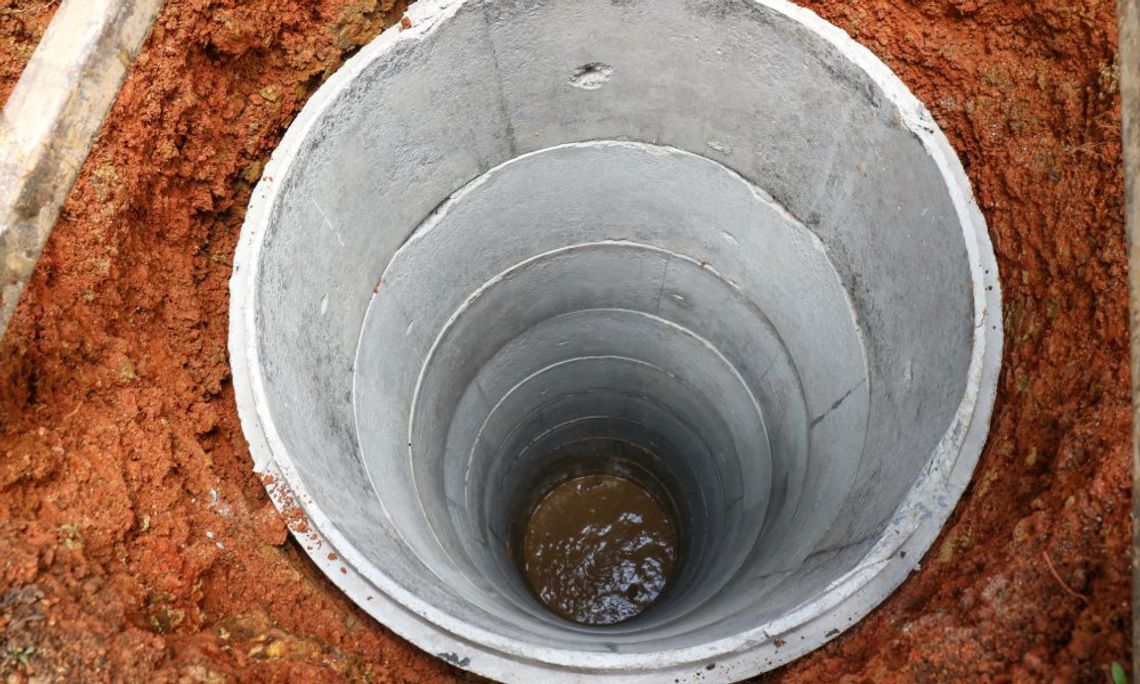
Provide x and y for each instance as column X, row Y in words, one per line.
column 136, row 544
column 22, row 24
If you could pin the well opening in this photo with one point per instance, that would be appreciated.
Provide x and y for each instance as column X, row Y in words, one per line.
column 500, row 243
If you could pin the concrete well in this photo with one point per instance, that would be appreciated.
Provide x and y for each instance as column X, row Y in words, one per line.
column 723, row 232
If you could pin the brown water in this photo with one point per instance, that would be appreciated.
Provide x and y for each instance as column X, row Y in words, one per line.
column 598, row 549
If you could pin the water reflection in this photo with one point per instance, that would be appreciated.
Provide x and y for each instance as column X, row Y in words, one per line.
column 598, row 549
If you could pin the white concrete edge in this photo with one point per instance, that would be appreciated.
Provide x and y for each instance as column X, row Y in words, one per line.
column 1128, row 16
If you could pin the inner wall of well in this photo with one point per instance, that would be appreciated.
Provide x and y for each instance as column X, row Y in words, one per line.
column 583, row 309
column 771, row 103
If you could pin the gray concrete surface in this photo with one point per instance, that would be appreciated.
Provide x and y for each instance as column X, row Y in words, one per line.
column 721, row 230
column 1129, row 17
column 50, row 120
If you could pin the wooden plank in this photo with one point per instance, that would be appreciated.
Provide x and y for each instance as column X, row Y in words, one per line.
column 51, row 119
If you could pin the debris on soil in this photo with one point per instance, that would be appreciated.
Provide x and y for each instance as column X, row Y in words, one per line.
column 136, row 543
